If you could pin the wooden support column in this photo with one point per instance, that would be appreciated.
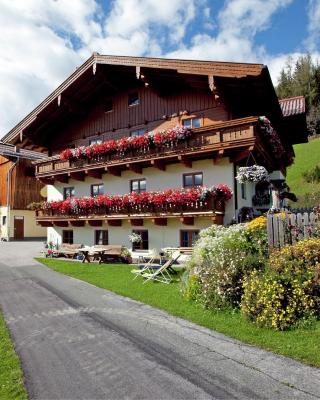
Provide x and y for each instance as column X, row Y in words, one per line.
column 61, row 223
column 94, row 173
column 160, row 221
column 136, row 221
column 158, row 164
column 187, row 220
column 77, row 223
column 135, row 168
column 78, row 176
column 114, row 222
column 185, row 161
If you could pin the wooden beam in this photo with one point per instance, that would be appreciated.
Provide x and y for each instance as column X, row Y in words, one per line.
column 113, row 171
column 114, row 222
column 217, row 158
column 45, row 224
column 77, row 223
column 134, row 168
column 218, row 219
column 62, row 178
column 187, row 162
column 160, row 221
column 94, row 173
column 46, row 181
column 78, row 176
column 136, row 221
column 241, row 155
column 187, row 220
column 61, row 223
column 158, row 164
column 95, row 222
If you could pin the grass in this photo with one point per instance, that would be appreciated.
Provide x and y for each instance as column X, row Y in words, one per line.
column 11, row 375
column 307, row 157
column 301, row 344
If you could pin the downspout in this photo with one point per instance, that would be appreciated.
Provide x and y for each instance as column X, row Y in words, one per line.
column 9, row 176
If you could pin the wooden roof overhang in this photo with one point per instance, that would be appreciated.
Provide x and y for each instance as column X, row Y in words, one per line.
column 246, row 88
column 234, row 139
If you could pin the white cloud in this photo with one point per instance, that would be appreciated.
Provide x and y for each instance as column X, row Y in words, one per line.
column 314, row 25
column 42, row 41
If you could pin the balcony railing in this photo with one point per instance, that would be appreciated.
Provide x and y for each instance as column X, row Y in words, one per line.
column 227, row 135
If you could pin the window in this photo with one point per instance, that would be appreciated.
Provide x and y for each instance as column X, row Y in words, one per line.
column 187, row 238
column 101, row 237
column 4, row 220
column 191, row 122
column 95, row 141
column 138, row 185
column 108, row 106
column 144, row 244
column 67, row 237
column 138, row 132
column 68, row 192
column 133, row 99
column 97, row 189
column 191, row 180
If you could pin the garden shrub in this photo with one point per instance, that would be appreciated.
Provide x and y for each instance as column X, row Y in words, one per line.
column 288, row 291
column 222, row 257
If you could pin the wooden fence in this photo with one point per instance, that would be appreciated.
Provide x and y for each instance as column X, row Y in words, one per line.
column 288, row 228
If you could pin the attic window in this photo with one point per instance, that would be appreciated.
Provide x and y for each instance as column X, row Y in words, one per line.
column 108, row 106
column 133, row 99
column 192, row 122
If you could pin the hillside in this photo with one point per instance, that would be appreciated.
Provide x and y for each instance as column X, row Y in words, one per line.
column 307, row 157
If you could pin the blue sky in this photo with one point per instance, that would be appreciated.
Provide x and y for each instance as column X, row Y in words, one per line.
column 43, row 41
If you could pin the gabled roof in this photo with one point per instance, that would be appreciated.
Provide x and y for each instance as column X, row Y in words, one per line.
column 9, row 150
column 293, row 106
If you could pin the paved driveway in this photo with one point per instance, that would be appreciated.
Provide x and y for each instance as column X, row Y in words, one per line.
column 77, row 341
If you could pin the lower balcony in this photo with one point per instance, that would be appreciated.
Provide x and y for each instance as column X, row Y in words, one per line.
column 114, row 215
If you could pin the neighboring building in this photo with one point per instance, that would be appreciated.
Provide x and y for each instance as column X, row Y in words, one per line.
column 18, row 188
column 111, row 97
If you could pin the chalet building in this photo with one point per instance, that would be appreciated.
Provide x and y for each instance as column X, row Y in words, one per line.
column 120, row 131
column 18, row 188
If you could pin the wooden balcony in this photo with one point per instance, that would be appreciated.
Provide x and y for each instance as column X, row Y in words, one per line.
column 114, row 216
column 215, row 141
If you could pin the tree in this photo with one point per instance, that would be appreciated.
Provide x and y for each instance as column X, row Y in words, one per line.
column 302, row 78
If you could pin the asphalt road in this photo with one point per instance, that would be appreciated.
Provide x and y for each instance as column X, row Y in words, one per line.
column 76, row 341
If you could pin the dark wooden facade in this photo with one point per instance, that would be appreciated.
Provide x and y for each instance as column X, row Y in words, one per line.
column 24, row 188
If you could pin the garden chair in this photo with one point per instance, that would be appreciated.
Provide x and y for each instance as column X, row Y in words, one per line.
column 147, row 267
column 162, row 274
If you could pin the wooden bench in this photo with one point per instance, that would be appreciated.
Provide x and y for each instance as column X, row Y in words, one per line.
column 68, row 250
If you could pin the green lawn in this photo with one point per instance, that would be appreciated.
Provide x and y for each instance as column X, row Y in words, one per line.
column 11, row 376
column 307, row 157
column 302, row 344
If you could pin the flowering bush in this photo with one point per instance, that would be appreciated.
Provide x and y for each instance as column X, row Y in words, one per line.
column 255, row 173
column 169, row 197
column 168, row 137
column 288, row 291
column 221, row 258
column 135, row 237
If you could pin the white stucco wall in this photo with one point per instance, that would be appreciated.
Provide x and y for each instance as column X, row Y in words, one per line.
column 31, row 229
column 156, row 180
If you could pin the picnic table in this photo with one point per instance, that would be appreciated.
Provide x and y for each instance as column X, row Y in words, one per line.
column 99, row 252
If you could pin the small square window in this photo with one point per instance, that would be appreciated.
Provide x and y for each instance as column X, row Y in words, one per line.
column 144, row 244
column 243, row 191
column 138, row 185
column 108, row 106
column 97, row 189
column 138, row 132
column 68, row 192
column 67, row 237
column 95, row 141
column 192, row 180
column 101, row 237
column 133, row 99
column 191, row 122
